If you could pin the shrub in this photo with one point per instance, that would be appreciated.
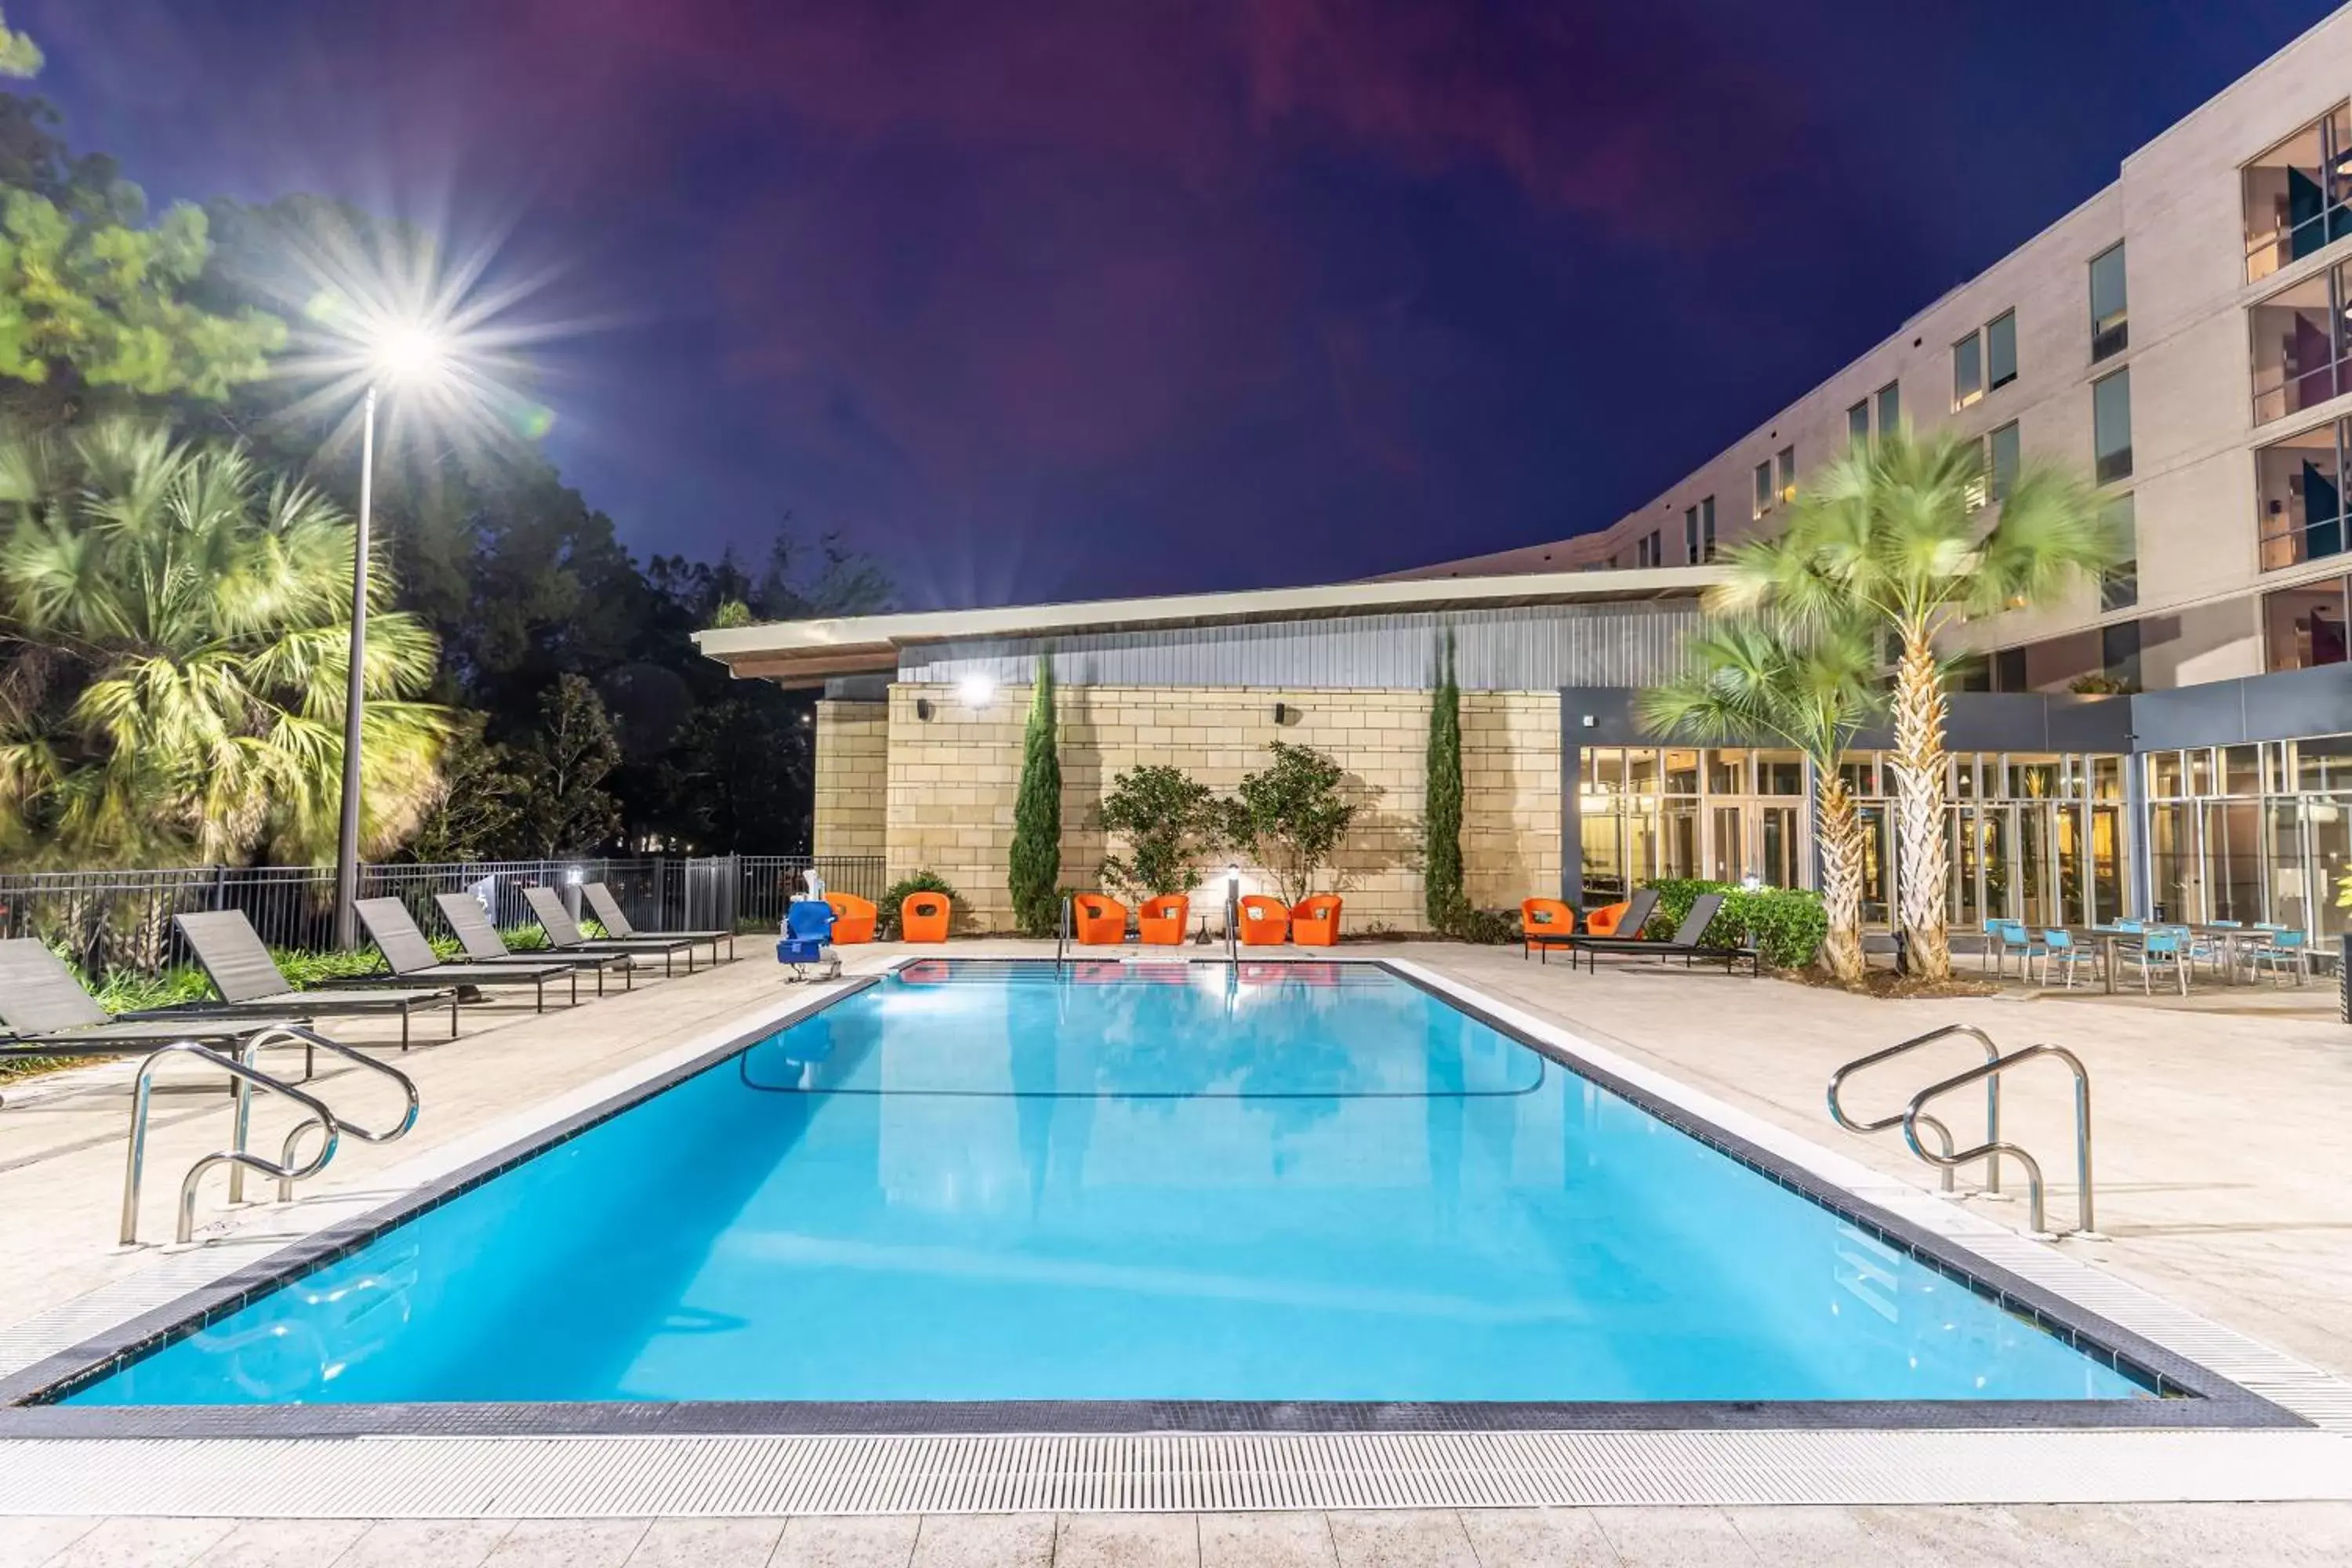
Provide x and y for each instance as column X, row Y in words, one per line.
column 1035, row 865
column 886, row 924
column 1491, row 928
column 1292, row 816
column 1169, row 821
column 1787, row 925
column 1442, row 899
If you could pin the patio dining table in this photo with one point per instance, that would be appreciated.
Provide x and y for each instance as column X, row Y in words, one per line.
column 2111, row 940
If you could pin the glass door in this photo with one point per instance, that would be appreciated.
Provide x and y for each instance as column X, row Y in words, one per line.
column 1779, row 865
column 1729, row 848
column 1876, row 860
column 2106, row 865
column 2034, row 836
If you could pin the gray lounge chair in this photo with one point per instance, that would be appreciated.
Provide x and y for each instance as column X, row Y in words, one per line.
column 1637, row 915
column 482, row 942
column 615, row 922
column 230, row 952
column 412, row 957
column 1687, row 942
column 48, row 1014
column 564, row 933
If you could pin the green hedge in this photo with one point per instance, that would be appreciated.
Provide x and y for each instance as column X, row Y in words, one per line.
column 1785, row 924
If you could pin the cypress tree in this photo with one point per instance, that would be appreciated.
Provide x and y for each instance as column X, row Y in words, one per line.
column 1036, row 870
column 1442, row 823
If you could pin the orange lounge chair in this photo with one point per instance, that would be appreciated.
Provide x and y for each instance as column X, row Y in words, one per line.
column 1098, row 921
column 1315, row 921
column 1160, row 922
column 852, row 919
column 923, row 917
column 1264, row 921
column 1544, row 924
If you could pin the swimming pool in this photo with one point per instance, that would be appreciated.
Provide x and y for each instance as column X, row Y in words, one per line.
column 1000, row 1182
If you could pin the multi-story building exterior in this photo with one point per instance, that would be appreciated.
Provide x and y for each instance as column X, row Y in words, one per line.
column 2175, row 737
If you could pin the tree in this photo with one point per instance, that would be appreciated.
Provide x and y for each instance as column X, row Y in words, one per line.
column 1442, row 892
column 1897, row 533
column 174, row 635
column 480, row 811
column 1292, row 816
column 567, row 810
column 1035, row 864
column 93, row 301
column 1750, row 677
column 1169, row 821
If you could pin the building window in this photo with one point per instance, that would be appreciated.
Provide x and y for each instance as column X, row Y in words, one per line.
column 1645, row 550
column 2119, row 584
column 2111, row 440
column 2296, row 193
column 2001, row 351
column 1690, row 533
column 2305, row 627
column 2000, row 460
column 1788, row 461
column 1764, row 492
column 1890, row 408
column 2299, row 486
column 1707, row 529
column 2301, row 344
column 1857, row 421
column 2009, row 670
column 2110, row 304
column 1968, row 371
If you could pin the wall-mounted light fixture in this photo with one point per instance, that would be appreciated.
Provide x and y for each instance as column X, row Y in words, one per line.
column 976, row 690
column 1284, row 713
column 923, row 709
column 1591, row 722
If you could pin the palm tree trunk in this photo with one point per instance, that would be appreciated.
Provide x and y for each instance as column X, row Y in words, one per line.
column 1919, row 770
column 1841, row 841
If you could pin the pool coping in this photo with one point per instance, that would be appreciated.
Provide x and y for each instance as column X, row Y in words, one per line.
column 2207, row 1400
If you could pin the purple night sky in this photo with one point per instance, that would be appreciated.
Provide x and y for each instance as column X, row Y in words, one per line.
column 1051, row 300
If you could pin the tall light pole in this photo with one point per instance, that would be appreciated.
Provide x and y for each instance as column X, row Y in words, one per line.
column 347, row 838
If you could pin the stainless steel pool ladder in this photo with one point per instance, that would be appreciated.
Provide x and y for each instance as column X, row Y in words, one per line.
column 246, row 1077
column 310, row 1040
column 1946, row 1158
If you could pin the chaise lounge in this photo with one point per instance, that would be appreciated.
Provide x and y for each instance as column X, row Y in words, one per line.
column 1687, row 942
column 470, row 923
column 564, row 936
column 615, row 922
column 229, row 950
column 411, row 957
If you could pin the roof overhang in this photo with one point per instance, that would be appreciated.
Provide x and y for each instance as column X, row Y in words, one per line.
column 805, row 653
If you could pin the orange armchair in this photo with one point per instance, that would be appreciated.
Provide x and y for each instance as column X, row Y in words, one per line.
column 1602, row 921
column 1100, row 921
column 1543, row 921
column 1314, row 922
column 1160, row 922
column 1264, row 921
column 852, row 919
column 923, row 917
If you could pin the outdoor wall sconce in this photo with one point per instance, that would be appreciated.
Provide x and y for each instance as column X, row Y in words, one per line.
column 1284, row 714
column 976, row 690
column 923, row 709
column 1591, row 722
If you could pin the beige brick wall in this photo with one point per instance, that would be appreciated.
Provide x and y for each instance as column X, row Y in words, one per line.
column 853, row 756
column 952, row 778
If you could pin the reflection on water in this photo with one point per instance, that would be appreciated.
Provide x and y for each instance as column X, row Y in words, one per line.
column 1269, row 1181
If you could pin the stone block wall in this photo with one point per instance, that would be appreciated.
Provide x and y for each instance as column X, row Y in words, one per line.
column 852, row 758
column 951, row 779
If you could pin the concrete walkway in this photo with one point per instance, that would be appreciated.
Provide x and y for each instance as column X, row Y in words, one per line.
column 2224, row 1179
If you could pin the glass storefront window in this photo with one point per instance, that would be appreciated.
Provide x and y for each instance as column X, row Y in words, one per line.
column 2322, row 763
column 2164, row 776
column 2241, row 772
column 2107, row 778
column 2033, row 778
column 1726, row 771
column 1682, row 772
column 1779, row 773
column 1604, row 770
column 2172, row 863
column 1641, row 773
column 2201, row 769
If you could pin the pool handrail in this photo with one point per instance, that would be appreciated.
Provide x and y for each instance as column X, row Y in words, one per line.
column 310, row 1039
column 1993, row 1099
column 135, row 1158
column 2085, row 1221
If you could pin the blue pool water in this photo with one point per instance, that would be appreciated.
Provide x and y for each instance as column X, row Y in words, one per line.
column 984, row 1183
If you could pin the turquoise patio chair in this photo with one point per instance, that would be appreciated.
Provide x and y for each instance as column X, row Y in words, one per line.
column 2157, row 950
column 2061, row 950
column 2285, row 949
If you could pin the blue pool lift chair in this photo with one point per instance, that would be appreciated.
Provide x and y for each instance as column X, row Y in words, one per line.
column 807, row 942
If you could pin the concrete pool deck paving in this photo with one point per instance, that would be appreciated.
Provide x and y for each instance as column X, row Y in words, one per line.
column 2250, row 1225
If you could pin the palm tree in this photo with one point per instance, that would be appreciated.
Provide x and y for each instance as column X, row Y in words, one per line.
column 174, row 639
column 1757, row 676
column 1898, row 531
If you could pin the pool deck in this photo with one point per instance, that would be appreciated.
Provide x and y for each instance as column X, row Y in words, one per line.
column 2224, row 1180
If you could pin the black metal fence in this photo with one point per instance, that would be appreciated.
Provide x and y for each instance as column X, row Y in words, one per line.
column 123, row 920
